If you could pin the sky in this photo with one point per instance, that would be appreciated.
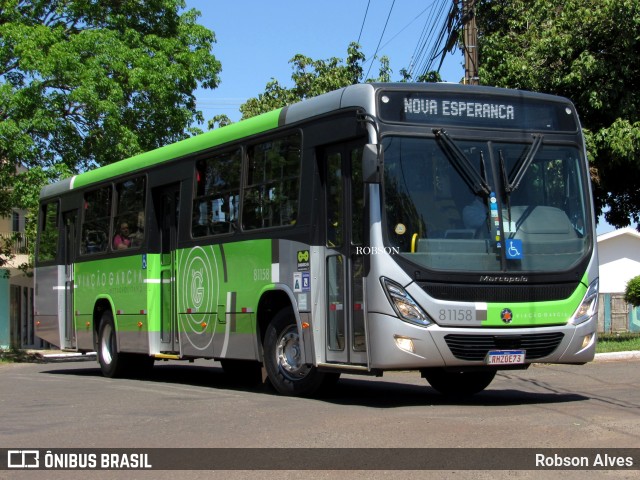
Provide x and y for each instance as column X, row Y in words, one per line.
column 257, row 38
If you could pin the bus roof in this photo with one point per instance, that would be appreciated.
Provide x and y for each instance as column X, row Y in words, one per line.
column 251, row 126
column 355, row 96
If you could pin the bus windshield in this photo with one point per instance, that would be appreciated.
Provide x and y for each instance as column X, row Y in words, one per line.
column 485, row 206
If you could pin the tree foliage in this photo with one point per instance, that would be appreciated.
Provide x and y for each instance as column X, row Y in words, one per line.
column 589, row 51
column 632, row 292
column 84, row 83
column 314, row 77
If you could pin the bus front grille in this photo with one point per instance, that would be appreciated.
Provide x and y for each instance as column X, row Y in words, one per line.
column 501, row 293
column 475, row 347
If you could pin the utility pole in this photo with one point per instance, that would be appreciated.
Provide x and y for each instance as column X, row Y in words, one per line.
column 470, row 32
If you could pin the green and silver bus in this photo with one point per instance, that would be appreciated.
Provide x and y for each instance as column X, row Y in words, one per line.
column 440, row 228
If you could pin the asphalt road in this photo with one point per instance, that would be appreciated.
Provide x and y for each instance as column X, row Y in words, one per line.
column 70, row 405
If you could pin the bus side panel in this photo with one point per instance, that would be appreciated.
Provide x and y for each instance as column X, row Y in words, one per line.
column 122, row 281
column 197, row 299
column 153, row 288
column 49, row 304
column 218, row 293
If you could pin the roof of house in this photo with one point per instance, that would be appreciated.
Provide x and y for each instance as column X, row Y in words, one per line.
column 617, row 233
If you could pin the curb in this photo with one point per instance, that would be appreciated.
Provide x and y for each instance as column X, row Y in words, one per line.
column 42, row 357
column 613, row 356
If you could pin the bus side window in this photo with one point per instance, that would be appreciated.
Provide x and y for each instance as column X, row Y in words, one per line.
column 271, row 197
column 130, row 213
column 216, row 194
column 95, row 222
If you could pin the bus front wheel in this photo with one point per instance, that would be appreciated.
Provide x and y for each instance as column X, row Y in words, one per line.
column 458, row 383
column 283, row 360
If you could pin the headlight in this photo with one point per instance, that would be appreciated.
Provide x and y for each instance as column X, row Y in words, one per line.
column 589, row 305
column 405, row 306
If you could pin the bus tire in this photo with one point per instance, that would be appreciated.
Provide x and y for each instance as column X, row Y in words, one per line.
column 458, row 383
column 282, row 360
column 113, row 364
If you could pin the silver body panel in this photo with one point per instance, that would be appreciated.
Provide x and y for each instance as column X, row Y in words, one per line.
column 431, row 349
column 50, row 304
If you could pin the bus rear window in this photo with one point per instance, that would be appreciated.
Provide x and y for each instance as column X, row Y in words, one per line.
column 48, row 239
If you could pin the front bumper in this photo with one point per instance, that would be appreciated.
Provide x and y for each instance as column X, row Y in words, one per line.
column 394, row 344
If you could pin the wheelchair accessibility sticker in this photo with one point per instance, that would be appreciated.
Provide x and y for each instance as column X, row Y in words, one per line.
column 514, row 249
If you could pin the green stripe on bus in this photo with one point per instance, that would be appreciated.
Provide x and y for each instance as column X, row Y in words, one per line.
column 207, row 140
column 536, row 314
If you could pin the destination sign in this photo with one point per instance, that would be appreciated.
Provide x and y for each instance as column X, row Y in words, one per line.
column 482, row 110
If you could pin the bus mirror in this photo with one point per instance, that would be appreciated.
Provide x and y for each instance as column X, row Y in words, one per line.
column 370, row 164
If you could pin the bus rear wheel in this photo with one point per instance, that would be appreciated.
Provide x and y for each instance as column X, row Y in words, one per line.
column 112, row 362
column 458, row 383
column 283, row 361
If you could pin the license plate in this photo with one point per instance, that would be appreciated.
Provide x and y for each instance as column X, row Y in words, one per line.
column 505, row 357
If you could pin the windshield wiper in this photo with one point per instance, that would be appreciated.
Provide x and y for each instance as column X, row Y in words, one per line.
column 520, row 168
column 462, row 164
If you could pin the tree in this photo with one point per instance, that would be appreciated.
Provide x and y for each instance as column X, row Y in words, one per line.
column 220, row 120
column 632, row 292
column 84, row 83
column 589, row 51
column 312, row 78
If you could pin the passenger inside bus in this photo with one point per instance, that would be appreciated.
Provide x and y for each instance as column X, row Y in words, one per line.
column 95, row 241
column 122, row 239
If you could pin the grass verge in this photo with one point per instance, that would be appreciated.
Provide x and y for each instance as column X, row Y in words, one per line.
column 618, row 342
column 15, row 356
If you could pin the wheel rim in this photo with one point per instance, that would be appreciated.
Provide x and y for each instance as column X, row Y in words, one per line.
column 106, row 344
column 288, row 355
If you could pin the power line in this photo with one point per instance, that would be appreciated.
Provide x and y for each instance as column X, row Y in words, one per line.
column 436, row 44
column 417, row 52
column 363, row 20
column 438, row 37
column 382, row 35
column 425, row 45
column 403, row 28
column 399, row 32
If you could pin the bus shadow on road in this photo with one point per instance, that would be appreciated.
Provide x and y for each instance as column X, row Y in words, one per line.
column 389, row 394
column 350, row 390
column 190, row 375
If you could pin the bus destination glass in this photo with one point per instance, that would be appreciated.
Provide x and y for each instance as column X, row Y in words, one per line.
column 480, row 111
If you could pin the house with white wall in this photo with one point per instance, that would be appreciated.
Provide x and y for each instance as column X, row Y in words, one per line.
column 16, row 288
column 619, row 260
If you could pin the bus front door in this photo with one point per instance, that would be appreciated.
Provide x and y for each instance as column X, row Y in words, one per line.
column 344, row 264
column 169, row 202
column 69, row 239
